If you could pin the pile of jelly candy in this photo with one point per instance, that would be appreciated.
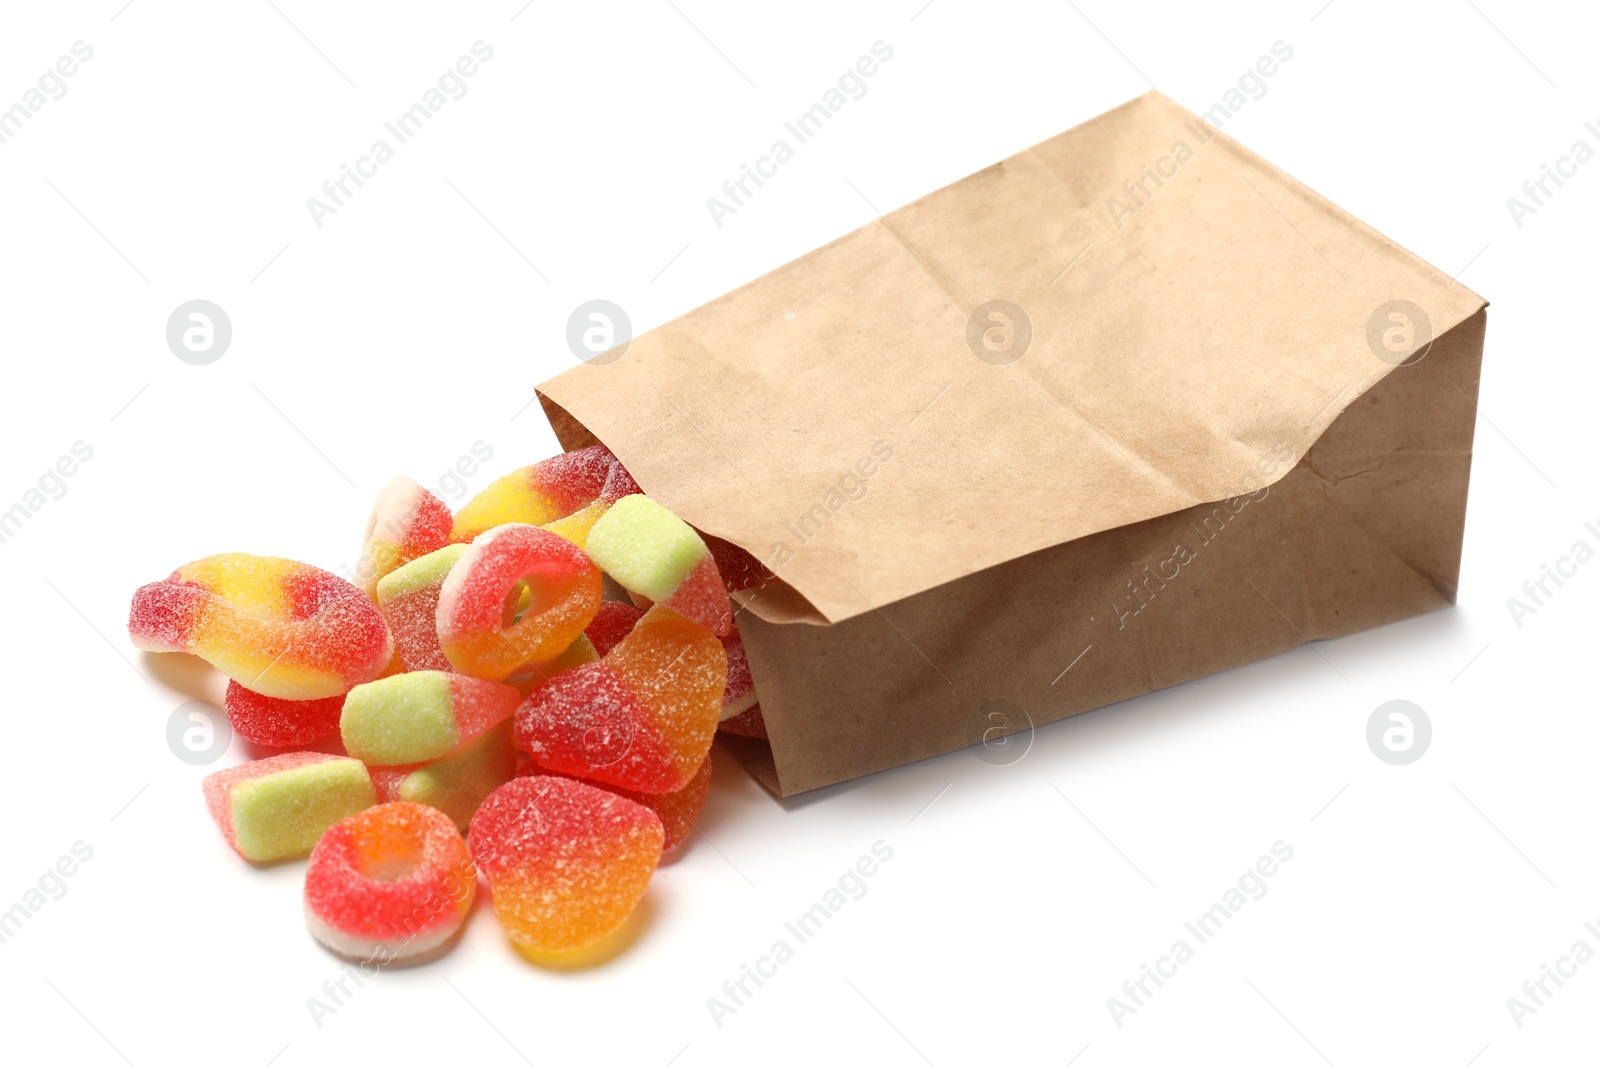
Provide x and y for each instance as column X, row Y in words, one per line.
column 498, row 717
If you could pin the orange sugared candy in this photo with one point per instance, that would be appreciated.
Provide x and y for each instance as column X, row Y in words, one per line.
column 279, row 628
column 567, row 862
column 484, row 628
column 549, row 490
column 641, row 718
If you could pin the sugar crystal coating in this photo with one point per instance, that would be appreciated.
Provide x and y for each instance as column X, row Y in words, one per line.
column 576, row 526
column 642, row 718
column 388, row 883
column 749, row 723
column 544, row 492
column 482, row 629
column 619, row 483
column 531, row 675
column 408, row 597
column 653, row 553
column 276, row 808
column 740, row 695
column 613, row 622
column 280, row 723
column 278, row 627
column 739, row 569
column 420, row 716
column 455, row 784
column 566, row 862
column 677, row 810
column 407, row 522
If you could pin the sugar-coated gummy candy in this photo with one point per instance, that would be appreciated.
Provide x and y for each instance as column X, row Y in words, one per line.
column 576, row 526
column 276, row 808
column 548, row 490
column 613, row 622
column 279, row 723
column 482, row 630
column 745, row 724
column 408, row 597
column 677, row 810
column 739, row 569
column 653, row 553
column 740, row 696
column 464, row 638
column 407, row 522
column 619, row 483
column 531, row 675
column 642, row 718
column 278, row 627
column 420, row 716
column 455, row 784
column 566, row 862
column 389, row 883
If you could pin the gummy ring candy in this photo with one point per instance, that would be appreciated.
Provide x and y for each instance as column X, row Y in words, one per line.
column 277, row 627
column 391, row 882
column 642, row 718
column 480, row 629
column 566, row 861
column 551, row 489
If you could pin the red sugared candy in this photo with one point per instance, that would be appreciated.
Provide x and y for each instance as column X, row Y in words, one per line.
column 739, row 569
column 544, row 492
column 279, row 723
column 746, row 724
column 613, row 622
column 740, row 695
column 391, row 882
column 677, row 810
column 567, row 862
column 407, row 522
column 480, row 630
column 642, row 718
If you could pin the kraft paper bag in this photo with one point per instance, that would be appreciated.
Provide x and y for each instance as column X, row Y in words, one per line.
column 1130, row 407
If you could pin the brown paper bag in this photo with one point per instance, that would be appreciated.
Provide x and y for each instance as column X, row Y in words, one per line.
column 1128, row 408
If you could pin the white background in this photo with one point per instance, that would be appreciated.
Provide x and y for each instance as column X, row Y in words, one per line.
column 415, row 323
